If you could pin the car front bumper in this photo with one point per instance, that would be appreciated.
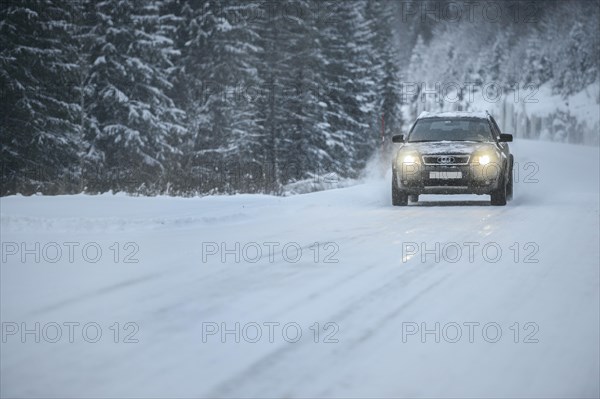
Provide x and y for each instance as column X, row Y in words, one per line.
column 473, row 179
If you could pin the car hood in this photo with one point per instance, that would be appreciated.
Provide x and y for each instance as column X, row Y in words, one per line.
column 448, row 147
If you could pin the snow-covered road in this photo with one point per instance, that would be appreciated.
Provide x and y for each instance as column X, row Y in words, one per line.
column 510, row 294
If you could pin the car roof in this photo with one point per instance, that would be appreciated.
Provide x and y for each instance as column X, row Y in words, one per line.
column 454, row 114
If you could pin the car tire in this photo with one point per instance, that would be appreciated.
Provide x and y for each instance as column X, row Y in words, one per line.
column 414, row 197
column 399, row 198
column 510, row 187
column 498, row 196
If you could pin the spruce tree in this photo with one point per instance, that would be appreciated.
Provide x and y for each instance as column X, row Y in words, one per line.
column 39, row 135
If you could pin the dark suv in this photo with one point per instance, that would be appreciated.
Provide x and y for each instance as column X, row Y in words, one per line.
column 453, row 153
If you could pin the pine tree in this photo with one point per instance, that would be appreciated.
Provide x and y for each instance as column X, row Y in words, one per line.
column 219, row 80
column 387, row 80
column 135, row 128
column 301, row 112
column 538, row 68
column 415, row 70
column 351, row 89
column 573, row 73
column 292, row 110
column 38, row 132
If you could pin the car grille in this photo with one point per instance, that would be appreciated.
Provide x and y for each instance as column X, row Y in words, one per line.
column 446, row 159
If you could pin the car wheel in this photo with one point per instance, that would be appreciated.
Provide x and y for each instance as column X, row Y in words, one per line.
column 509, row 188
column 414, row 198
column 499, row 195
column 398, row 197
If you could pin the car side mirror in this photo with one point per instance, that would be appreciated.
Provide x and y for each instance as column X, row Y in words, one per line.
column 398, row 138
column 505, row 138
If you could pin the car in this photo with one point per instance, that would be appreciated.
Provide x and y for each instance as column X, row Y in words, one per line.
column 453, row 153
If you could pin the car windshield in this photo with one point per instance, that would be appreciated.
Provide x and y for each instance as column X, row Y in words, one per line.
column 454, row 129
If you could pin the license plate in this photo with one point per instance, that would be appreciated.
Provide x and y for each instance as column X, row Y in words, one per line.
column 445, row 175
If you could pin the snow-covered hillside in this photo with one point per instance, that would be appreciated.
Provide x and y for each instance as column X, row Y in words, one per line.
column 516, row 317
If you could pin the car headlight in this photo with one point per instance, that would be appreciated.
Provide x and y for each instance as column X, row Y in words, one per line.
column 410, row 159
column 483, row 159
column 408, row 164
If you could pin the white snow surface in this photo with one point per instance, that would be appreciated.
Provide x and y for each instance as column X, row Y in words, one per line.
column 370, row 294
column 454, row 114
